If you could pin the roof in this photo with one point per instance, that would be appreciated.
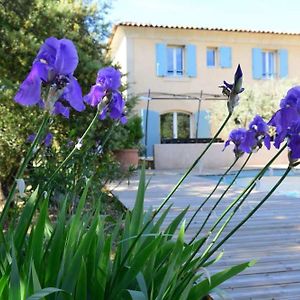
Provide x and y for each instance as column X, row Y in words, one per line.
column 148, row 25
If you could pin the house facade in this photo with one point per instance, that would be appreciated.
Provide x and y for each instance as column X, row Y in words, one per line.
column 177, row 71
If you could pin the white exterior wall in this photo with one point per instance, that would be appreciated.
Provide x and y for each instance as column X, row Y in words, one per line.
column 181, row 156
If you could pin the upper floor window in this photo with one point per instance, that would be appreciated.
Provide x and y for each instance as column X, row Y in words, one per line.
column 175, row 61
column 269, row 64
column 211, row 57
column 219, row 57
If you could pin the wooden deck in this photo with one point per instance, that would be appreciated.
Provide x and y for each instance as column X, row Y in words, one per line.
column 272, row 236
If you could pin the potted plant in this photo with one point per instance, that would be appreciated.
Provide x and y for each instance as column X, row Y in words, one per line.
column 127, row 143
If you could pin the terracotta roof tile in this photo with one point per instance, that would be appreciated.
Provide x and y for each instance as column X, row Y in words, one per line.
column 134, row 24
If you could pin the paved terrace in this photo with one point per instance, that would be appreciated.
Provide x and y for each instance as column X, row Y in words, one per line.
column 272, row 236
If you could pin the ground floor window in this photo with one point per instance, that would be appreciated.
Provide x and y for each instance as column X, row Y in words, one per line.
column 175, row 125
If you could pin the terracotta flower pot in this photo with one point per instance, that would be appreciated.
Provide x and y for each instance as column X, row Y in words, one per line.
column 127, row 158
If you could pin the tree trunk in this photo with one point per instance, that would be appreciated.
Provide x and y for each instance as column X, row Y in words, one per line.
column 2, row 198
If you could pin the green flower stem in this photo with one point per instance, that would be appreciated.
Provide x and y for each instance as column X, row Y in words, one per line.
column 251, row 184
column 209, row 254
column 244, row 194
column 23, row 166
column 211, row 193
column 122, row 264
column 76, row 147
column 228, row 220
column 221, row 197
column 191, row 167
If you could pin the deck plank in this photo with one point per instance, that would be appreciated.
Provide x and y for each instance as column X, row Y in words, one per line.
column 272, row 236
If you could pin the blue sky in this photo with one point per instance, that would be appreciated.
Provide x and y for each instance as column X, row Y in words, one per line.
column 276, row 15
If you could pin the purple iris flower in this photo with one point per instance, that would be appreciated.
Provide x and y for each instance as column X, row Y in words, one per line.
column 294, row 141
column 259, row 131
column 107, row 84
column 109, row 78
column 31, row 138
column 54, row 66
column 239, row 138
column 287, row 115
column 47, row 140
column 233, row 90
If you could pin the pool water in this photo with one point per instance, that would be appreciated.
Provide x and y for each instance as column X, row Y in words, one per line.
column 289, row 187
column 251, row 174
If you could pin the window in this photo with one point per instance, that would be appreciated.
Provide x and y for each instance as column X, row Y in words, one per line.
column 175, row 125
column 268, row 64
column 175, row 60
column 219, row 57
column 211, row 57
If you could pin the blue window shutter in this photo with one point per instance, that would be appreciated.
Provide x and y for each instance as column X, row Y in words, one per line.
column 283, row 63
column 161, row 60
column 225, row 57
column 257, row 63
column 203, row 123
column 153, row 132
column 191, row 64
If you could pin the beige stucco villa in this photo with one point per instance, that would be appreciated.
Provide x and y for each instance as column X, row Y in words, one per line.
column 176, row 72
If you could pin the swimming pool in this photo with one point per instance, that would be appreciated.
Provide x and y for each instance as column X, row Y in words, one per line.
column 289, row 187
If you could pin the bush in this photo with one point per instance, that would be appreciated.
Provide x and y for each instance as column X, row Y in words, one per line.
column 78, row 257
column 24, row 24
column 128, row 136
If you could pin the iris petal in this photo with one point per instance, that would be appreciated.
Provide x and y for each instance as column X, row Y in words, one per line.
column 73, row 95
column 109, row 78
column 267, row 141
column 66, row 59
column 116, row 106
column 60, row 109
column 48, row 51
column 294, row 145
column 95, row 95
column 30, row 90
column 48, row 139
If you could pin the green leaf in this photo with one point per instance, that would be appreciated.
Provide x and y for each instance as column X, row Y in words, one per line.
column 81, row 286
column 38, row 236
column 45, row 292
column 215, row 260
column 3, row 284
column 76, row 224
column 174, row 224
column 138, row 210
column 70, row 274
column 136, row 295
column 54, row 249
column 159, row 222
column 142, row 284
column 137, row 263
column 172, row 272
column 15, row 284
column 35, row 278
column 103, row 267
column 204, row 287
column 25, row 220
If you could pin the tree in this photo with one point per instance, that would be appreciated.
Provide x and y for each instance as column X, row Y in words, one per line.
column 24, row 25
column 262, row 99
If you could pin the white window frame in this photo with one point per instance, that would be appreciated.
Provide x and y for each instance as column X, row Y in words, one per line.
column 174, row 48
column 175, row 123
column 266, row 64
